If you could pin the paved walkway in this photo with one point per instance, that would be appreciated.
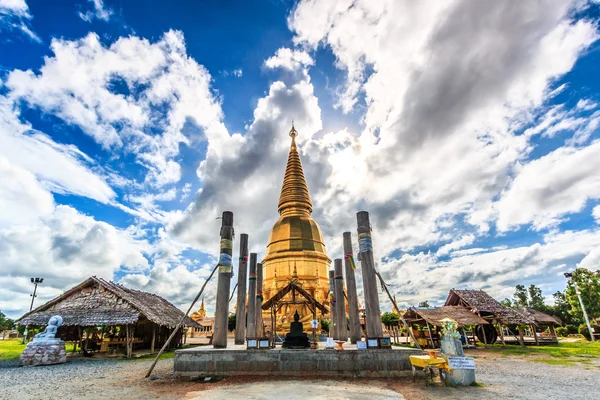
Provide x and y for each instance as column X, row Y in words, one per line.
column 304, row 390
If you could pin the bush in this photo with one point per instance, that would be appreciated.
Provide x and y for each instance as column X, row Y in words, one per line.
column 562, row 331
column 571, row 329
column 583, row 330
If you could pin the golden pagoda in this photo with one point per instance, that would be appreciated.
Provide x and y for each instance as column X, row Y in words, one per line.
column 296, row 250
column 200, row 314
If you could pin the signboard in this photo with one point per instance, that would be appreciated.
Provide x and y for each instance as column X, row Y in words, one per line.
column 315, row 324
column 361, row 345
column 385, row 342
column 252, row 343
column 461, row 363
column 264, row 344
column 372, row 343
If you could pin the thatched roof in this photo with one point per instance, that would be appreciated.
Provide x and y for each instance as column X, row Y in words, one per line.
column 481, row 302
column 539, row 317
column 293, row 286
column 462, row 315
column 96, row 302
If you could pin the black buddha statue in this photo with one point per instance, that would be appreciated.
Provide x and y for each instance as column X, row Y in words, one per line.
column 296, row 338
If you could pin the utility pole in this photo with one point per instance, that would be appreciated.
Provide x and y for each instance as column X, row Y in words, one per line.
column 587, row 321
column 36, row 282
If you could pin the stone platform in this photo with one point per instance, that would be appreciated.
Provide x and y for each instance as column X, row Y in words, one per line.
column 44, row 352
column 236, row 360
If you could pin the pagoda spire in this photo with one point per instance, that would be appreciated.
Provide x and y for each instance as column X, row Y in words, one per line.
column 294, row 197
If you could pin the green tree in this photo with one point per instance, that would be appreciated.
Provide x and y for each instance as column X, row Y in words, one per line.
column 507, row 302
column 231, row 323
column 589, row 287
column 390, row 319
column 562, row 309
column 528, row 297
column 325, row 325
column 5, row 323
column 521, row 298
column 424, row 304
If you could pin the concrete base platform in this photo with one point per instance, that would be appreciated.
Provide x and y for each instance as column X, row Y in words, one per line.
column 283, row 362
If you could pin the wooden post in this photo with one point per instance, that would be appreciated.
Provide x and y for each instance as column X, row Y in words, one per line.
column 260, row 329
column 251, row 328
column 240, row 317
column 501, row 334
column 521, row 340
column 537, row 342
column 430, row 335
column 153, row 339
column 332, row 308
column 340, row 304
column 368, row 273
column 351, row 289
column 127, row 341
column 553, row 333
column 224, row 281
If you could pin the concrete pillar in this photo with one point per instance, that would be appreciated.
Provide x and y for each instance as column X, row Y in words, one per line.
column 367, row 263
column 351, row 289
column 240, row 315
column 340, row 303
column 251, row 328
column 332, row 321
column 224, row 281
column 260, row 332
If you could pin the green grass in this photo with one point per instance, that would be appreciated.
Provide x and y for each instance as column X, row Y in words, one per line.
column 11, row 349
column 569, row 353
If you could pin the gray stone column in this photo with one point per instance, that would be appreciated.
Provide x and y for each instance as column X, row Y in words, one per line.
column 351, row 289
column 332, row 321
column 340, row 303
column 240, row 315
column 224, row 281
column 367, row 263
column 251, row 329
column 260, row 332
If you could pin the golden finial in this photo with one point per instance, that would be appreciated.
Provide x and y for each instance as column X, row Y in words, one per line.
column 293, row 131
column 294, row 197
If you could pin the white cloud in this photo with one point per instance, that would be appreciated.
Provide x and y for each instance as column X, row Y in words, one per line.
column 548, row 188
column 22, row 198
column 64, row 248
column 133, row 96
column 14, row 14
column 61, row 168
column 99, row 11
column 455, row 245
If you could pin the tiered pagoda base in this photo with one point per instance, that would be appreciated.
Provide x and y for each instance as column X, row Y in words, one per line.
column 236, row 360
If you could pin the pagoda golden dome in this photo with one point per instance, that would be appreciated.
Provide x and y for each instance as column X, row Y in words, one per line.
column 296, row 249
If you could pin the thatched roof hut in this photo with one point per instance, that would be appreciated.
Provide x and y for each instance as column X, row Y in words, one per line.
column 539, row 317
column 486, row 306
column 97, row 302
column 434, row 316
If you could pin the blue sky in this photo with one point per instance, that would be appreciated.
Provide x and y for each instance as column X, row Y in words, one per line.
column 126, row 128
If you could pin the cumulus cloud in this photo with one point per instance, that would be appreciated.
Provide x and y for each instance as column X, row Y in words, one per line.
column 64, row 247
column 14, row 14
column 133, row 96
column 550, row 187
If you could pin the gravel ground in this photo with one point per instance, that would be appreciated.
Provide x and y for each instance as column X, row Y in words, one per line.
column 502, row 377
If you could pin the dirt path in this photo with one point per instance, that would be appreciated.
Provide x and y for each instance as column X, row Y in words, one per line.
column 502, row 377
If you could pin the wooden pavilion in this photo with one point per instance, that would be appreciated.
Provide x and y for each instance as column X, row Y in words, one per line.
column 485, row 306
column 104, row 316
column 433, row 317
column 542, row 320
column 292, row 293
